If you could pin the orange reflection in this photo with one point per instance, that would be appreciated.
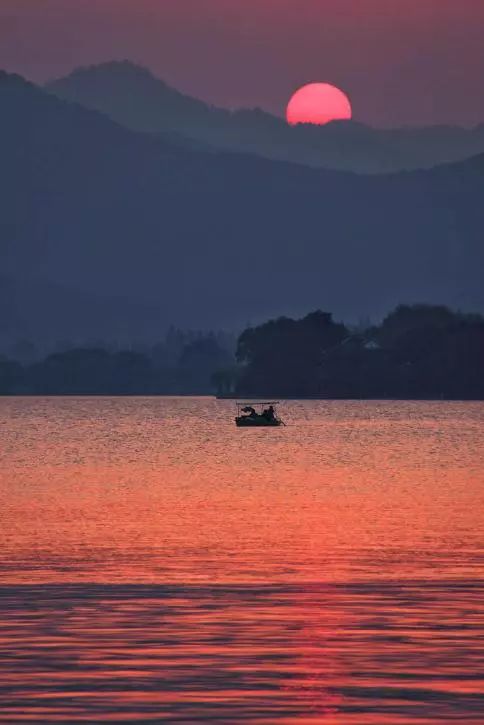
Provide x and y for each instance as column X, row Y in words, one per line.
column 157, row 562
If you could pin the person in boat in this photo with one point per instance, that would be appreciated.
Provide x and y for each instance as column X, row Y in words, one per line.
column 269, row 413
column 249, row 412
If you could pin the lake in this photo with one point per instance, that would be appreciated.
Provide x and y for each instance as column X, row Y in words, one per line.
column 159, row 564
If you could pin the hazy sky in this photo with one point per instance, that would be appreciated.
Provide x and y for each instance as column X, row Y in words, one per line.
column 400, row 61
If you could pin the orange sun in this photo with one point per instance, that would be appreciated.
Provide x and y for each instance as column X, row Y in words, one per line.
column 318, row 103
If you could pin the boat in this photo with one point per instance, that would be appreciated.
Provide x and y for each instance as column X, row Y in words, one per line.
column 258, row 415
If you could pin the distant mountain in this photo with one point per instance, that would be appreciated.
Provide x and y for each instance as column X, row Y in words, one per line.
column 46, row 313
column 209, row 239
column 135, row 98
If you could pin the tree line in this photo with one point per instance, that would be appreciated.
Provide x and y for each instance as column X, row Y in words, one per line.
column 417, row 352
column 182, row 363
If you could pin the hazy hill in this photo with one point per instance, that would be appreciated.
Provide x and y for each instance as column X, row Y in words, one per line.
column 134, row 97
column 216, row 239
column 46, row 313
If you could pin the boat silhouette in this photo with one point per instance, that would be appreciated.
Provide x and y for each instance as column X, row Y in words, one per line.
column 259, row 414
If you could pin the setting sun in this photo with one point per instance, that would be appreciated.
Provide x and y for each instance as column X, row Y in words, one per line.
column 318, row 103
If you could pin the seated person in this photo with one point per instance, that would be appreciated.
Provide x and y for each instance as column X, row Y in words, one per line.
column 269, row 413
column 249, row 411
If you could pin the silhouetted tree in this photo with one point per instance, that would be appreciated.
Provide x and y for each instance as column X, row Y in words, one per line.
column 284, row 356
column 93, row 371
column 198, row 362
column 225, row 380
column 419, row 351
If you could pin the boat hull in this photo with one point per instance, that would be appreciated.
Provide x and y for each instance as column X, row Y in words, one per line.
column 246, row 422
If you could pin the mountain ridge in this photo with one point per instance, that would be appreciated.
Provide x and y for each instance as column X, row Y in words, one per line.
column 134, row 96
column 213, row 240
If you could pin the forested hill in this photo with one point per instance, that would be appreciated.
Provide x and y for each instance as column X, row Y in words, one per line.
column 210, row 240
column 418, row 352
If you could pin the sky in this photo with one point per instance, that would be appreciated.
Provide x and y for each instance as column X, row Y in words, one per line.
column 401, row 62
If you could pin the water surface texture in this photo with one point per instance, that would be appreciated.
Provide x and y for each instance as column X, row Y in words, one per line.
column 159, row 565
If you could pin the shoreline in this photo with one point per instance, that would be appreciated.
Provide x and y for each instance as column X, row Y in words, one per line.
column 236, row 399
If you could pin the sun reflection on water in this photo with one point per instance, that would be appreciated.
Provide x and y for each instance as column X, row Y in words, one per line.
column 156, row 562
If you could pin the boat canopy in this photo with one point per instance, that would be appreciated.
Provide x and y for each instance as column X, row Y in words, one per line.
column 253, row 403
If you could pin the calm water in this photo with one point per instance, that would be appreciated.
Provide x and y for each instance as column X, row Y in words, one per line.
column 157, row 564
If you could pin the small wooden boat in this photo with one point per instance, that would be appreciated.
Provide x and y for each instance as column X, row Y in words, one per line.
column 254, row 415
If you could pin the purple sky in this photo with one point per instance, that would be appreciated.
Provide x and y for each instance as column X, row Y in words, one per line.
column 400, row 61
